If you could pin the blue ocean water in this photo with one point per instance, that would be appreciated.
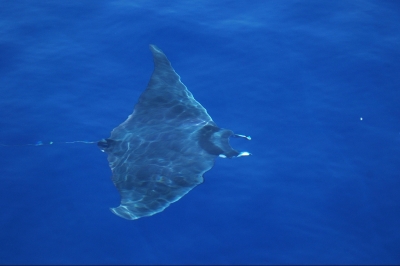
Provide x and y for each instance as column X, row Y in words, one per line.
column 315, row 83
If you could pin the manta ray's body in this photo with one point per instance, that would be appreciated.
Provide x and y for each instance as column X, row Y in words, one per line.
column 165, row 146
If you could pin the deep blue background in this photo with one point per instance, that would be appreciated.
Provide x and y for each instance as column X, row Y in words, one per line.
column 322, row 185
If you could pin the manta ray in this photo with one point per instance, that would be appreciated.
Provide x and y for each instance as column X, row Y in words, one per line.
column 165, row 146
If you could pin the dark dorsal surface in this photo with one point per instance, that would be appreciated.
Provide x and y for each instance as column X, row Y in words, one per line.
column 164, row 147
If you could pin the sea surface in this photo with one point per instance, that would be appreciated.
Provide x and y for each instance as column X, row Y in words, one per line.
column 316, row 85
